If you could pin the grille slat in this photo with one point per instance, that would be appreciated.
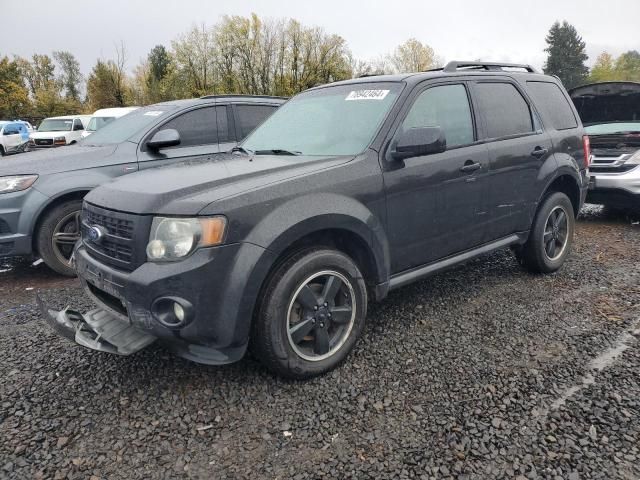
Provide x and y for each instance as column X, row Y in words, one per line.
column 118, row 247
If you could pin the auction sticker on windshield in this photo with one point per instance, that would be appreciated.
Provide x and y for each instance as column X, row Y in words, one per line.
column 153, row 113
column 367, row 95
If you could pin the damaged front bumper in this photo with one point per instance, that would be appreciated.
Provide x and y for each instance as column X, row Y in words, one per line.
column 96, row 329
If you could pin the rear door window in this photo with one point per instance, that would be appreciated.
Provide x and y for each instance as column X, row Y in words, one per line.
column 553, row 104
column 222, row 116
column 505, row 111
column 250, row 116
column 196, row 127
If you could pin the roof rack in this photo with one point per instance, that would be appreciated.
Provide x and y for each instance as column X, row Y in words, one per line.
column 487, row 66
column 241, row 95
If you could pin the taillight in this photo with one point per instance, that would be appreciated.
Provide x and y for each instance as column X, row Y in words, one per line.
column 586, row 145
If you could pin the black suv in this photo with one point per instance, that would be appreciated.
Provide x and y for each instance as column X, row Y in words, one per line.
column 347, row 191
column 41, row 193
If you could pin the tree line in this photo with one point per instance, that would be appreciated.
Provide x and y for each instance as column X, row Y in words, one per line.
column 247, row 55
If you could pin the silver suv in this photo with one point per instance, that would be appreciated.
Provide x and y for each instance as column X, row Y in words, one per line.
column 610, row 112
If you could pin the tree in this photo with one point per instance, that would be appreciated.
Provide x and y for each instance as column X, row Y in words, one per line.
column 107, row 85
column 413, row 56
column 566, row 55
column 14, row 96
column 70, row 77
column 604, row 68
column 37, row 73
column 628, row 66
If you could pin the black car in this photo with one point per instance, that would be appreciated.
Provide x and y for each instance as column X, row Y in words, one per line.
column 41, row 192
column 348, row 191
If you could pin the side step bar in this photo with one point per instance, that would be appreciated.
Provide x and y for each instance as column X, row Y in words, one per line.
column 97, row 330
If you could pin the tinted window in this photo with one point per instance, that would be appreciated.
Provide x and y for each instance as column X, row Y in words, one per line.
column 250, row 116
column 446, row 107
column 504, row 109
column 554, row 105
column 223, row 125
column 196, row 127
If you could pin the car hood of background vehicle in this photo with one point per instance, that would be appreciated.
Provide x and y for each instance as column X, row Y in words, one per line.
column 188, row 187
column 56, row 160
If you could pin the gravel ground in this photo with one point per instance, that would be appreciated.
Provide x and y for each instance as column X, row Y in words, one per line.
column 484, row 371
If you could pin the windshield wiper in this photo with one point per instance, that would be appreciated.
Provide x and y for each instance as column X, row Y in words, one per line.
column 277, row 151
column 240, row 149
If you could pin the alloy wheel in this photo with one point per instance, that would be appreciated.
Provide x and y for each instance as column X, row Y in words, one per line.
column 321, row 315
column 556, row 232
column 65, row 235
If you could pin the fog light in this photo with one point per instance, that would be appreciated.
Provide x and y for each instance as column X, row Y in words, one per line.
column 178, row 311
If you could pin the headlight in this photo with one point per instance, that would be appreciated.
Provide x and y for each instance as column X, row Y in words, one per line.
column 15, row 183
column 634, row 159
column 175, row 238
column 60, row 140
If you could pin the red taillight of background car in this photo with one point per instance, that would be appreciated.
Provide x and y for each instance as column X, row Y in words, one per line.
column 586, row 144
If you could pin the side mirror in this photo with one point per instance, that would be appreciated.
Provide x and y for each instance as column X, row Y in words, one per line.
column 419, row 141
column 77, row 127
column 168, row 137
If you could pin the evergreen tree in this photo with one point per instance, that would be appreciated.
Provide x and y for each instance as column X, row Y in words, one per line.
column 567, row 55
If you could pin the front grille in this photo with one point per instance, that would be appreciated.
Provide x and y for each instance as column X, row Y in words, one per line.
column 44, row 141
column 607, row 169
column 4, row 227
column 606, row 162
column 119, row 227
column 125, row 236
column 6, row 248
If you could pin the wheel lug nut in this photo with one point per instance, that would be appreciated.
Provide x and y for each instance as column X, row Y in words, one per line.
column 326, row 304
column 315, row 308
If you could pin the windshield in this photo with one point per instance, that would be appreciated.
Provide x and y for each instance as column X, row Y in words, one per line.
column 339, row 120
column 613, row 128
column 56, row 125
column 96, row 123
column 125, row 127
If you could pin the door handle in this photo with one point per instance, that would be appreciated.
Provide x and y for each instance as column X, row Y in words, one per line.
column 470, row 166
column 539, row 152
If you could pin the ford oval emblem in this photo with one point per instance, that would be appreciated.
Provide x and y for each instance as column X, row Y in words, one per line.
column 95, row 234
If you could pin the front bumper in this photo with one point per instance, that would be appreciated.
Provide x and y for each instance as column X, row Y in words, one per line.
column 17, row 212
column 221, row 284
column 617, row 189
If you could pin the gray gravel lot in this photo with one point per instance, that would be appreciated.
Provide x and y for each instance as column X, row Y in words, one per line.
column 484, row 371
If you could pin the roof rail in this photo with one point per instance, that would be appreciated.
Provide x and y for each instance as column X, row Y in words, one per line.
column 241, row 96
column 488, row 66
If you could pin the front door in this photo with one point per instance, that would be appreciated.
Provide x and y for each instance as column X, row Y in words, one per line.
column 436, row 203
column 198, row 129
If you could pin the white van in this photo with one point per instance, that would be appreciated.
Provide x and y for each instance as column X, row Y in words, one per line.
column 102, row 117
column 59, row 131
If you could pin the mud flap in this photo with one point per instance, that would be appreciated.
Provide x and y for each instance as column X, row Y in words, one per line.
column 97, row 330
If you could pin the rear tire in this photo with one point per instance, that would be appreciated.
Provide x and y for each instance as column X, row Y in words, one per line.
column 310, row 315
column 2, row 152
column 58, row 232
column 551, row 235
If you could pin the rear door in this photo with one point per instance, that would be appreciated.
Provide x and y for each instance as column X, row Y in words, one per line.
column 518, row 147
column 435, row 203
column 198, row 129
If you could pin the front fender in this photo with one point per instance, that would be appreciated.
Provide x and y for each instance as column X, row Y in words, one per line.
column 302, row 216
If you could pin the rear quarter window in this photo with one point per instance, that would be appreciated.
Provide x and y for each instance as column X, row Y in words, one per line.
column 553, row 104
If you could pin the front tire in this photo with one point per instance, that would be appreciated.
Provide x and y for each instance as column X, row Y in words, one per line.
column 551, row 236
column 310, row 315
column 58, row 233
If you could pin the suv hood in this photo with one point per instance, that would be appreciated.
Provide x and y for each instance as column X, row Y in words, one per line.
column 188, row 187
column 56, row 160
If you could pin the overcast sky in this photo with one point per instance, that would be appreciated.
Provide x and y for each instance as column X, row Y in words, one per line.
column 497, row 30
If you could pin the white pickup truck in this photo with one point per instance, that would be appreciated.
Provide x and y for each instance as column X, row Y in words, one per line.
column 59, row 131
